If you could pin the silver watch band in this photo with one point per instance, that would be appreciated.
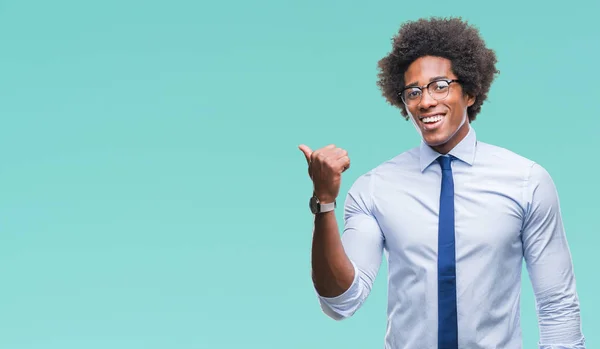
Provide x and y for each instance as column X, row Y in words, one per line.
column 316, row 207
column 327, row 207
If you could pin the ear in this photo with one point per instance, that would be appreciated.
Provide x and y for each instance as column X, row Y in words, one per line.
column 470, row 100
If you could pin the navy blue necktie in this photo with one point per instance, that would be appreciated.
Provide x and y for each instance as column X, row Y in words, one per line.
column 447, row 317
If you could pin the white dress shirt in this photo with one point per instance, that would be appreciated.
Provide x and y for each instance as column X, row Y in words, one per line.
column 506, row 211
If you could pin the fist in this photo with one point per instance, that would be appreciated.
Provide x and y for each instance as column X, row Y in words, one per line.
column 325, row 168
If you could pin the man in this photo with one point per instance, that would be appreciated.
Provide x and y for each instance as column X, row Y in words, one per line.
column 455, row 216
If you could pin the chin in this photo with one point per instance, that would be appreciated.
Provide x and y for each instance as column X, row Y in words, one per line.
column 435, row 140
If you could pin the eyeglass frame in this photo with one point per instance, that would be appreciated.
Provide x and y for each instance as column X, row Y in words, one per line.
column 426, row 87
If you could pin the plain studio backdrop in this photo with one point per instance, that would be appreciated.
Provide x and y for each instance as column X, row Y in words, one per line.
column 152, row 194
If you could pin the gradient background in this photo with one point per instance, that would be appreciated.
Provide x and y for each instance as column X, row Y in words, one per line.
column 151, row 191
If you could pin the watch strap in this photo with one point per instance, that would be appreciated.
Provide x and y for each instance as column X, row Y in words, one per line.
column 327, row 207
column 316, row 207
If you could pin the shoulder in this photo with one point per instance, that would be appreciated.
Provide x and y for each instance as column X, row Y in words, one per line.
column 533, row 175
column 407, row 161
column 503, row 159
column 360, row 196
column 502, row 156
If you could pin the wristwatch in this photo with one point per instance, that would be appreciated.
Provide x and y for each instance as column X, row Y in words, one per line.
column 317, row 207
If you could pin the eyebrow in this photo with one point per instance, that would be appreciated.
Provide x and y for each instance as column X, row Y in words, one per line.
column 413, row 84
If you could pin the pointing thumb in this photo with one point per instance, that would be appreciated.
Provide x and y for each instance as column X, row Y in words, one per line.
column 307, row 152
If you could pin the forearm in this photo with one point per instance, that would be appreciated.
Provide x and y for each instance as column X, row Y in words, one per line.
column 557, row 302
column 550, row 266
column 559, row 322
column 332, row 271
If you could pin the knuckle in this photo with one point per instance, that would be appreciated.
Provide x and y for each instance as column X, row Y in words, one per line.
column 315, row 155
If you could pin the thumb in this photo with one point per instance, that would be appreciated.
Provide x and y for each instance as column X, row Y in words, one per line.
column 307, row 152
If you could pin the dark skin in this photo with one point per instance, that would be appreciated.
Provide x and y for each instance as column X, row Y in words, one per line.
column 443, row 135
column 332, row 270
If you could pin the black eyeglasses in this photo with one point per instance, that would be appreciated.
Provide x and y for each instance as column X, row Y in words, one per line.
column 438, row 90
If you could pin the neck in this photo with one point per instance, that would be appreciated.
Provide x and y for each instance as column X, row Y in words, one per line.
column 454, row 140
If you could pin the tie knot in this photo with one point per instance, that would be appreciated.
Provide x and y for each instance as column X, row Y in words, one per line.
column 445, row 162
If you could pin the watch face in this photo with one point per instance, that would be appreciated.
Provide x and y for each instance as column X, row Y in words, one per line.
column 314, row 205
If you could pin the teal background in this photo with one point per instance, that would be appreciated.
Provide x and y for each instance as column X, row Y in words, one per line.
column 152, row 194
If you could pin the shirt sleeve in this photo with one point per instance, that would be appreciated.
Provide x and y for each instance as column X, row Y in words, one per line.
column 363, row 243
column 549, row 265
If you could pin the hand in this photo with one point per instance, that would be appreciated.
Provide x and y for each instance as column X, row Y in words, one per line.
column 325, row 168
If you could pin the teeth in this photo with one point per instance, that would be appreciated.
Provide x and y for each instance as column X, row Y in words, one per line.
column 432, row 119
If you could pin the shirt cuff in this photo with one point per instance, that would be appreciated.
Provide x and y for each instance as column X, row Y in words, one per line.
column 344, row 305
column 580, row 344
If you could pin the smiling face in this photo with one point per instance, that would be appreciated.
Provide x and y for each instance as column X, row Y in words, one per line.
column 442, row 121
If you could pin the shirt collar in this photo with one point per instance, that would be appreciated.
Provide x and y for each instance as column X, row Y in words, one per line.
column 464, row 150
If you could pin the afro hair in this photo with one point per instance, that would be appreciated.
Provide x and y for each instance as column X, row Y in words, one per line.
column 451, row 38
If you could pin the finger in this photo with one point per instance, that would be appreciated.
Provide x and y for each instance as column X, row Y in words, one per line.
column 339, row 153
column 330, row 152
column 307, row 152
column 344, row 162
column 322, row 153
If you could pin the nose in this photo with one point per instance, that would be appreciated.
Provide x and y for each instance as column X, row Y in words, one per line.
column 427, row 101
